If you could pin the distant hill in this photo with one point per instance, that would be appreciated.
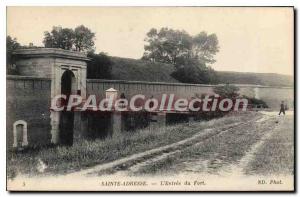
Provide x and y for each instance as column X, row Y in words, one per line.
column 139, row 70
column 267, row 79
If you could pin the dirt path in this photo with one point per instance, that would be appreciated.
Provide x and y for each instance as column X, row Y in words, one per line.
column 217, row 163
column 132, row 164
column 182, row 158
column 240, row 167
column 192, row 164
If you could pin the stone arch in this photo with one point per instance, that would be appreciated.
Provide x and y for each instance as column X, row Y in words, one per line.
column 68, row 82
column 23, row 125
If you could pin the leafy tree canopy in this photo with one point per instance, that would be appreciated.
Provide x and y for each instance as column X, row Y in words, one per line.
column 11, row 44
column 79, row 39
column 175, row 46
column 189, row 54
column 84, row 39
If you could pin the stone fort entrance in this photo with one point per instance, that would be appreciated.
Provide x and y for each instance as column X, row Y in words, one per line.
column 67, row 72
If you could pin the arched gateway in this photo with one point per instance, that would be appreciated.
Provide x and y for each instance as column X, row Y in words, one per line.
column 67, row 72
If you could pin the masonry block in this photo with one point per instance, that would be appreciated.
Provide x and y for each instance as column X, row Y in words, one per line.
column 158, row 121
column 116, row 123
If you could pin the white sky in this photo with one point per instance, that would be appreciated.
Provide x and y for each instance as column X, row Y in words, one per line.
column 251, row 39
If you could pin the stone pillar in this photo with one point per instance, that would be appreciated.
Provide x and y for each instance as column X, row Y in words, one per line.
column 54, row 115
column 54, row 127
column 161, row 119
column 158, row 121
column 116, row 123
column 80, row 126
column 77, row 132
column 256, row 93
column 82, row 82
column 191, row 119
column 84, row 123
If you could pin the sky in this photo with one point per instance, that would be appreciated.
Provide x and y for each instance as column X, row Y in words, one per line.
column 250, row 39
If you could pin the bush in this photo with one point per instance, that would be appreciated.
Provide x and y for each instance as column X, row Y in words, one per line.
column 254, row 101
column 227, row 91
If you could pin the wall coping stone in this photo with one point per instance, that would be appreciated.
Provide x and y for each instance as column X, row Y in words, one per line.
column 179, row 84
column 51, row 52
column 21, row 77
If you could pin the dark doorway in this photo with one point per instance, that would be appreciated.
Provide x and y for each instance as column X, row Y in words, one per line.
column 68, row 83
column 66, row 122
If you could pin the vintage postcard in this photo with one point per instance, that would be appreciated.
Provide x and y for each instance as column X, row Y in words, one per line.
column 150, row 99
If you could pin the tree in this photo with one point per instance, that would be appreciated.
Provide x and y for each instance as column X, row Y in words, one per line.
column 59, row 38
column 190, row 55
column 205, row 47
column 84, row 39
column 174, row 46
column 80, row 39
column 167, row 46
column 11, row 45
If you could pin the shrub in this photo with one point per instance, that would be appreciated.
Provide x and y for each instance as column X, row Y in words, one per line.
column 227, row 91
column 255, row 101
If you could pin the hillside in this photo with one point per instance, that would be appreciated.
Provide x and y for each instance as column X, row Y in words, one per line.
column 138, row 70
column 268, row 79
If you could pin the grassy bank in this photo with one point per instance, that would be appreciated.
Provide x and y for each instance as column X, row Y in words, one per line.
column 62, row 159
column 276, row 156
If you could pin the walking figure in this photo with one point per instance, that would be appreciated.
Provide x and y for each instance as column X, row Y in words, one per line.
column 282, row 108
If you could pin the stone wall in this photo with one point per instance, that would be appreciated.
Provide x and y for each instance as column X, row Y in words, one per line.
column 271, row 95
column 155, row 89
column 28, row 99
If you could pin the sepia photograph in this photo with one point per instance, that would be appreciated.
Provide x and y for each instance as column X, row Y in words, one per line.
column 150, row 98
